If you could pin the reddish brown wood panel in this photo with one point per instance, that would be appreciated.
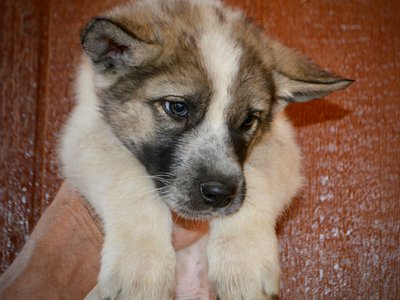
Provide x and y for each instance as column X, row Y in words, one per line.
column 20, row 43
column 340, row 239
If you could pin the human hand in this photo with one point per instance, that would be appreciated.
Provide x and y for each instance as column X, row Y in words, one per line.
column 190, row 242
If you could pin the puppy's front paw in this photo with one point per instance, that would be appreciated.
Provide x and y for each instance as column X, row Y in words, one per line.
column 138, row 276
column 243, row 271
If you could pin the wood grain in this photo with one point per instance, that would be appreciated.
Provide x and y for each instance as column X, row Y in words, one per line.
column 20, row 43
column 340, row 239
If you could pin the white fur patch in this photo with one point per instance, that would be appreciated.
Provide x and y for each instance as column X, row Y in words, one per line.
column 221, row 56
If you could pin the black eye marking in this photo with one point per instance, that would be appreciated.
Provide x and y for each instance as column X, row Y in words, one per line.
column 251, row 120
column 175, row 107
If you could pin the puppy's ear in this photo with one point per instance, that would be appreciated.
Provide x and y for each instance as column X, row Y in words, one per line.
column 112, row 48
column 298, row 79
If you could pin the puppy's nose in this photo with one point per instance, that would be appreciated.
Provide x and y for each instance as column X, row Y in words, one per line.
column 217, row 194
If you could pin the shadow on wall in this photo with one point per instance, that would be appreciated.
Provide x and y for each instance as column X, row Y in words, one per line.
column 314, row 112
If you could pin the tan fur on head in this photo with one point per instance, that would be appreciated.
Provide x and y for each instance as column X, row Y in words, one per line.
column 180, row 108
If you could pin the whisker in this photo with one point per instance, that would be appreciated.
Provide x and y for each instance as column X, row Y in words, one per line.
column 249, row 200
column 162, row 178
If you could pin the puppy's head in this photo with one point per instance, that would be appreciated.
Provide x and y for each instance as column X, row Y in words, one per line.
column 189, row 87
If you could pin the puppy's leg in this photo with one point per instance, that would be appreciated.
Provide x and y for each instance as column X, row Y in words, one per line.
column 243, row 248
column 243, row 257
column 138, row 260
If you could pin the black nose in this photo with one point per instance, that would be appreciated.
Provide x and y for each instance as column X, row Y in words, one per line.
column 217, row 194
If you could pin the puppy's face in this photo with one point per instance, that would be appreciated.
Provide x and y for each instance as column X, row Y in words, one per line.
column 188, row 88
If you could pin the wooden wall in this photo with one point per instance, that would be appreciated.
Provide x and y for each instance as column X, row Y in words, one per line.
column 341, row 237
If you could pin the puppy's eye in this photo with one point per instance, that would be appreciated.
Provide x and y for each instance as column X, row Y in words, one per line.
column 176, row 109
column 250, row 121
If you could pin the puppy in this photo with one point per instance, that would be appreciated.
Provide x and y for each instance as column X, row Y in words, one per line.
column 180, row 109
